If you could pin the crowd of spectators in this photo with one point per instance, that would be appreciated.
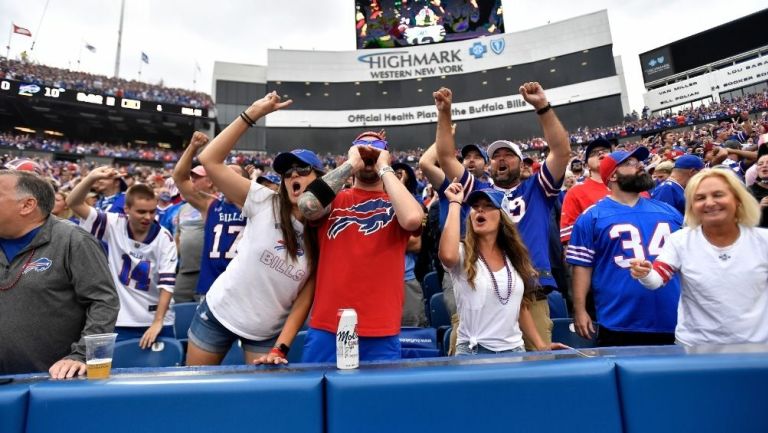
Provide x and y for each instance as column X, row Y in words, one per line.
column 29, row 72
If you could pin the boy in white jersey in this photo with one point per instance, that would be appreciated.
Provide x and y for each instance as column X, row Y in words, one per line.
column 141, row 255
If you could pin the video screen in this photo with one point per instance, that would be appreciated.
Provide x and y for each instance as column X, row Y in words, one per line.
column 403, row 23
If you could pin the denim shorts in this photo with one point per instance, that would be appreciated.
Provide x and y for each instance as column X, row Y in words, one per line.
column 210, row 335
column 463, row 349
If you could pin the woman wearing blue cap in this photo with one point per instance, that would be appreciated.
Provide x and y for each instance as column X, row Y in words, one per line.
column 492, row 276
column 264, row 295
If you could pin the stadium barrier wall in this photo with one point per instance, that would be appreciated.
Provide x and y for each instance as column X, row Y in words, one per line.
column 654, row 390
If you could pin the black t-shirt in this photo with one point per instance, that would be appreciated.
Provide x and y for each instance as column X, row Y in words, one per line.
column 759, row 192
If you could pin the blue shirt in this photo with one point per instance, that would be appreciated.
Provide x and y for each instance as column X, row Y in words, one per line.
column 529, row 205
column 11, row 247
column 166, row 216
column 605, row 238
column 114, row 203
column 224, row 223
column 671, row 193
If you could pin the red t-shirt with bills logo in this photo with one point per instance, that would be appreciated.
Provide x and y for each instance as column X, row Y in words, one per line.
column 361, row 264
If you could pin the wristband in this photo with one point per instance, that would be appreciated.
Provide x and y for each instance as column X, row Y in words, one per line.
column 455, row 201
column 543, row 110
column 321, row 191
column 276, row 351
column 247, row 117
column 384, row 170
column 244, row 117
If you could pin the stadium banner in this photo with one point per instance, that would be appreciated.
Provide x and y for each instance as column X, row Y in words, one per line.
column 32, row 90
column 473, row 55
column 708, row 85
column 427, row 114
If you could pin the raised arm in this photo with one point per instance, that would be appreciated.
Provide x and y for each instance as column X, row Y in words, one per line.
column 448, row 252
column 310, row 204
column 76, row 199
column 234, row 186
column 554, row 132
column 408, row 211
column 181, row 174
column 445, row 144
column 429, row 165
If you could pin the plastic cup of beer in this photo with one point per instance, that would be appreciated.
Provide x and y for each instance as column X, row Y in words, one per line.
column 98, row 355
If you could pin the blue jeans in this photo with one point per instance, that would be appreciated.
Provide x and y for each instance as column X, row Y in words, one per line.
column 209, row 334
column 462, row 349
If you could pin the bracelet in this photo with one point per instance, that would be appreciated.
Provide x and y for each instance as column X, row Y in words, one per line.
column 543, row 110
column 454, row 201
column 248, row 121
column 384, row 170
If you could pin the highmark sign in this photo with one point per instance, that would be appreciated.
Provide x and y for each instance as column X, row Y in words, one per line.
column 404, row 64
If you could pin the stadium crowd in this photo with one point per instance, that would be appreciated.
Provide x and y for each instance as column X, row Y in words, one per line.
column 635, row 234
column 29, row 72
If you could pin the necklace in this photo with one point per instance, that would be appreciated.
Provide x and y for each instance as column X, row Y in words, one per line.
column 510, row 284
column 21, row 272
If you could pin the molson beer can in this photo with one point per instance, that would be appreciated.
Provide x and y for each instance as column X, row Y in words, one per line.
column 347, row 344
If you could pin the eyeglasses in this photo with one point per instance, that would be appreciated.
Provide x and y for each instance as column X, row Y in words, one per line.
column 300, row 170
column 379, row 144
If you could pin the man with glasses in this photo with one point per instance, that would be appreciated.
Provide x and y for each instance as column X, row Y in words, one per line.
column 363, row 233
column 585, row 194
column 606, row 237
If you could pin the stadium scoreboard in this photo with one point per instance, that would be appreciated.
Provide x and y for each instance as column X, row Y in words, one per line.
column 21, row 89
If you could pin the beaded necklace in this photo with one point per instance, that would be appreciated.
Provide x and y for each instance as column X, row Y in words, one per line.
column 21, row 272
column 510, row 281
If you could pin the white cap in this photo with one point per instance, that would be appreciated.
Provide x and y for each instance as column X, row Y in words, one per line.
column 504, row 144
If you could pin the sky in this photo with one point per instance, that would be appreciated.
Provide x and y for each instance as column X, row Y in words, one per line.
column 178, row 35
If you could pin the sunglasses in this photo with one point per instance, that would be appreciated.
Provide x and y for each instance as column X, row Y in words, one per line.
column 379, row 144
column 300, row 170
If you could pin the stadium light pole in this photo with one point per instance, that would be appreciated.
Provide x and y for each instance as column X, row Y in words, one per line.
column 119, row 39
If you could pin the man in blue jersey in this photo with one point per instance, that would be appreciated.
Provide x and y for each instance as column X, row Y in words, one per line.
column 224, row 221
column 528, row 202
column 672, row 190
column 111, row 193
column 605, row 238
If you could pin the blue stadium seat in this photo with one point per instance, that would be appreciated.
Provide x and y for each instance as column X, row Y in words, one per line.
column 557, row 307
column 562, row 332
column 419, row 342
column 430, row 286
column 184, row 314
column 235, row 356
column 438, row 313
column 446, row 343
column 166, row 352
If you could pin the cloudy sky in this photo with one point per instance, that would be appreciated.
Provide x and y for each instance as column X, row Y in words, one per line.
column 177, row 35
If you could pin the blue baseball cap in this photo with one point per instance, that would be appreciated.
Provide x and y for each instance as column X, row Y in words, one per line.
column 285, row 160
column 496, row 197
column 269, row 177
column 687, row 162
column 598, row 142
column 469, row 147
column 609, row 163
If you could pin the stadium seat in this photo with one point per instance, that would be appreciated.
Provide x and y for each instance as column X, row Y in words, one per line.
column 184, row 314
column 430, row 286
column 235, row 356
column 446, row 341
column 166, row 352
column 563, row 332
column 438, row 313
column 419, row 342
column 557, row 307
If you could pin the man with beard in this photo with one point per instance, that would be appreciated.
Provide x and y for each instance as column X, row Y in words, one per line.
column 528, row 202
column 605, row 238
column 363, row 233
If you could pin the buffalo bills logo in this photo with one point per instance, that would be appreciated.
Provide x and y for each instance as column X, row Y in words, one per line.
column 370, row 217
column 281, row 246
column 39, row 265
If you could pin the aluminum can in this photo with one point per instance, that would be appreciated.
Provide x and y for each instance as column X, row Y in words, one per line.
column 347, row 341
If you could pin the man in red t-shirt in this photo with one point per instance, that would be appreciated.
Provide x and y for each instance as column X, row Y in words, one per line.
column 585, row 194
column 363, row 234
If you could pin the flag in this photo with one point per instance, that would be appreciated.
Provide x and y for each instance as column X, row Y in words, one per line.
column 144, row 57
column 90, row 47
column 21, row 30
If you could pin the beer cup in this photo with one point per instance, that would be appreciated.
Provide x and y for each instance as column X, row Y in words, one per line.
column 98, row 355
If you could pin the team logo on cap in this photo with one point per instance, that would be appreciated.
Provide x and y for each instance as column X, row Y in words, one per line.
column 39, row 265
column 369, row 217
